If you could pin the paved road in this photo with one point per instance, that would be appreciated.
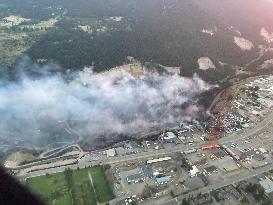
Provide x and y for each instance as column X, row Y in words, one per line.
column 237, row 178
column 112, row 160
column 154, row 153
column 249, row 132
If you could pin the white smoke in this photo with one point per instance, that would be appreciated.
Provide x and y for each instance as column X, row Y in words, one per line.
column 89, row 105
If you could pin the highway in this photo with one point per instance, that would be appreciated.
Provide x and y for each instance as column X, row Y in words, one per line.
column 151, row 154
column 249, row 132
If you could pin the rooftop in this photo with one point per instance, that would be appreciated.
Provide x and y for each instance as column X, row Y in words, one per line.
column 163, row 179
column 147, row 171
column 267, row 184
column 135, row 177
column 210, row 168
column 158, row 160
column 170, row 135
column 111, row 152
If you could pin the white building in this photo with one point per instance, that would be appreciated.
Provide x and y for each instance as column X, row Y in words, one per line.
column 110, row 152
column 194, row 171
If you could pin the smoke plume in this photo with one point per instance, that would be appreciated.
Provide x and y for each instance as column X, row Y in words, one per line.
column 38, row 107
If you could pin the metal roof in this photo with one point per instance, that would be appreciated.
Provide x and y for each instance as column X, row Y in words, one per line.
column 267, row 184
column 163, row 179
column 135, row 177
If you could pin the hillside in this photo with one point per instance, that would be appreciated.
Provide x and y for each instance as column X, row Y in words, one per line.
column 168, row 32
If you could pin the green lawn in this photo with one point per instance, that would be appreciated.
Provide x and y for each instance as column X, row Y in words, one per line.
column 54, row 188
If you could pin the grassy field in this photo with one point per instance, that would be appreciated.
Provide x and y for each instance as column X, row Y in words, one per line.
column 52, row 189
column 101, row 186
column 73, row 188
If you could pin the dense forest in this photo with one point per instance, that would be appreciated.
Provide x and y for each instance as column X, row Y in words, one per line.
column 167, row 32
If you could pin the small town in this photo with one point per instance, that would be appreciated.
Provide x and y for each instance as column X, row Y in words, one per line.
column 225, row 161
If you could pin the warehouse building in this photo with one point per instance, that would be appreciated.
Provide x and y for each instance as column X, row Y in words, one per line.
column 135, row 178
